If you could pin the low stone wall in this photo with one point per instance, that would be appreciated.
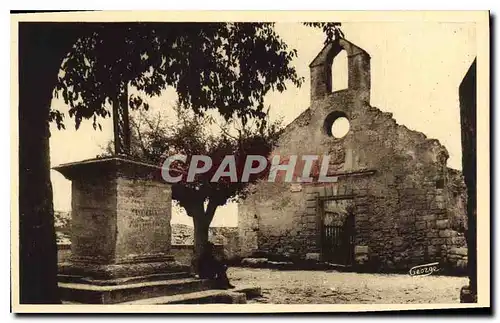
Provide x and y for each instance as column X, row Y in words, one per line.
column 226, row 237
column 183, row 253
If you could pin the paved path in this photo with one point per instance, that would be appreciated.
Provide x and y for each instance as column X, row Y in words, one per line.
column 330, row 287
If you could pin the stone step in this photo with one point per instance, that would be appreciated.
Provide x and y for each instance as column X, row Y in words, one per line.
column 238, row 295
column 121, row 281
column 210, row 296
column 112, row 294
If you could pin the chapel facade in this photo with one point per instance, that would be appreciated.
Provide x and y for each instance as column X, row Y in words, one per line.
column 392, row 202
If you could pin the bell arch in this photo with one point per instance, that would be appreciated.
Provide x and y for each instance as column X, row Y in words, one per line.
column 358, row 70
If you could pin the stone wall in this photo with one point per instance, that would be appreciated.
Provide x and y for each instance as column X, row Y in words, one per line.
column 62, row 223
column 63, row 252
column 457, row 207
column 183, row 253
column 396, row 178
column 225, row 236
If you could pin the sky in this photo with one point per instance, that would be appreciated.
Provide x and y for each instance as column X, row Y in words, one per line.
column 415, row 69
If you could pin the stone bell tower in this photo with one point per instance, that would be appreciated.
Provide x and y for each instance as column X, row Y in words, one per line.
column 358, row 68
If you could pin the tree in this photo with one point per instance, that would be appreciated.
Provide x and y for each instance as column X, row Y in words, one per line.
column 154, row 139
column 224, row 66
column 41, row 50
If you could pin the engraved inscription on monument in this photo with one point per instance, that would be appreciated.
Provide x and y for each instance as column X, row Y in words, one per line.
column 143, row 224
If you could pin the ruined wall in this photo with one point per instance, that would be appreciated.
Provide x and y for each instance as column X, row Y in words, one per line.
column 396, row 178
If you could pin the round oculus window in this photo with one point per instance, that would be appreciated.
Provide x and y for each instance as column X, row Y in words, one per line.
column 337, row 125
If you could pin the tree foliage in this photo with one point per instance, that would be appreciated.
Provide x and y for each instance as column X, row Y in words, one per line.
column 153, row 139
column 331, row 30
column 228, row 67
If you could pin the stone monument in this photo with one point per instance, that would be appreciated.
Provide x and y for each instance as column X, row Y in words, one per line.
column 120, row 236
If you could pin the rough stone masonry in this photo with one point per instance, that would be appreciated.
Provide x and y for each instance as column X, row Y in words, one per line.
column 406, row 206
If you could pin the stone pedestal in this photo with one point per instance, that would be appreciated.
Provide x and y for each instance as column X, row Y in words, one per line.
column 120, row 232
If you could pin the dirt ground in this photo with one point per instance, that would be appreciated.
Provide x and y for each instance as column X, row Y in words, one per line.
column 332, row 287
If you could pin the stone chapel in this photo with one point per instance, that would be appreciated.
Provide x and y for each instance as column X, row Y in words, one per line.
column 393, row 202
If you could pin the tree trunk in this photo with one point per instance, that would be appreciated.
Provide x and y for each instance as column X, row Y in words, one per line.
column 201, row 221
column 39, row 65
column 200, row 235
